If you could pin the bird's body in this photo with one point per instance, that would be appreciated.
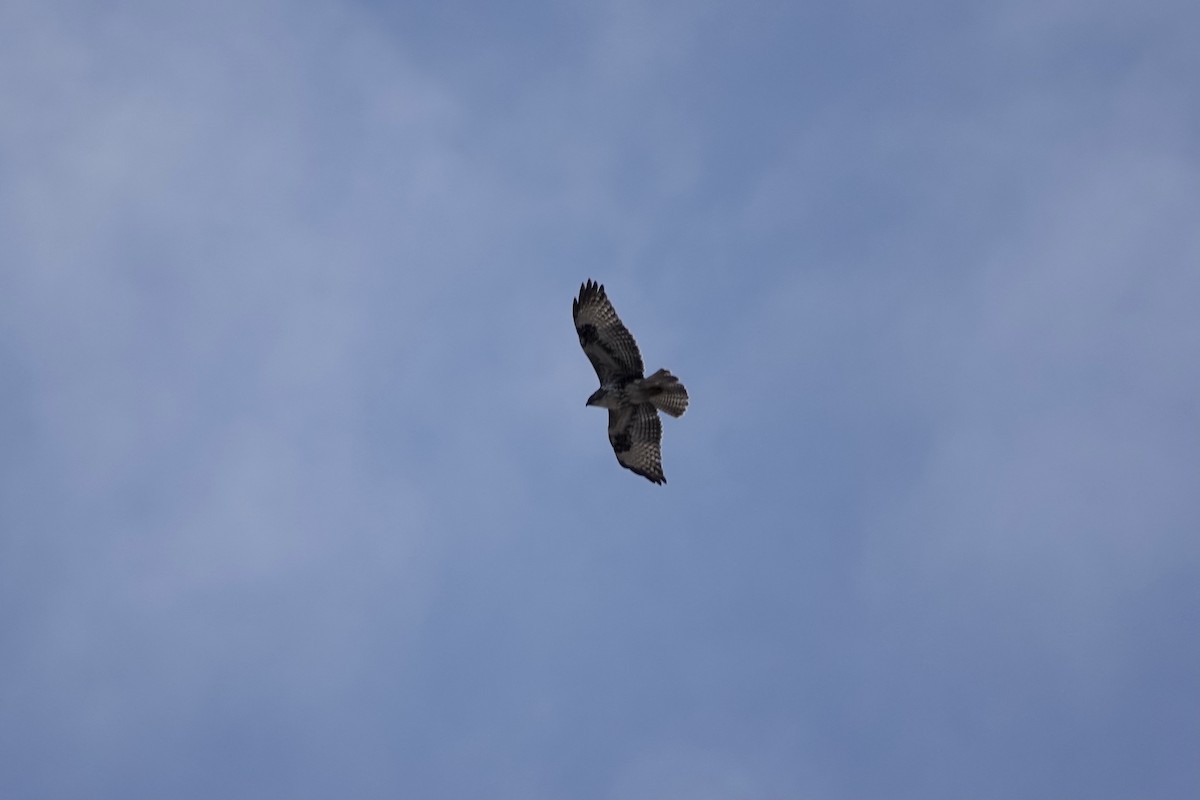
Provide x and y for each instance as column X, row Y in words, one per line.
column 632, row 399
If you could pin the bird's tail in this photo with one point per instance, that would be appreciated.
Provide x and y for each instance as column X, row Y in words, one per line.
column 666, row 393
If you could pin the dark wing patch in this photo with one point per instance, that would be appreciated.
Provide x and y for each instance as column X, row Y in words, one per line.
column 606, row 341
column 635, row 433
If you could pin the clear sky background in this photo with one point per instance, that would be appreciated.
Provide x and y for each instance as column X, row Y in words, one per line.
column 299, row 496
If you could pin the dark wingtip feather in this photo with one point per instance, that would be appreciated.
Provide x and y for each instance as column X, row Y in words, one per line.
column 655, row 479
column 588, row 290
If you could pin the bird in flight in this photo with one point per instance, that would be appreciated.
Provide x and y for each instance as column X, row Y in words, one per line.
column 633, row 400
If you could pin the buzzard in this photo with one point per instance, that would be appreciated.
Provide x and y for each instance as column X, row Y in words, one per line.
column 633, row 400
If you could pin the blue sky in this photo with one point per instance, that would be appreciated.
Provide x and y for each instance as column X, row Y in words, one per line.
column 299, row 496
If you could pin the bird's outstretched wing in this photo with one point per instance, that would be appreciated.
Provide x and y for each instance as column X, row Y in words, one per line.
column 607, row 342
column 636, row 436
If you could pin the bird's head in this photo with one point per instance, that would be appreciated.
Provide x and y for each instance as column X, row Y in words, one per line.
column 598, row 397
